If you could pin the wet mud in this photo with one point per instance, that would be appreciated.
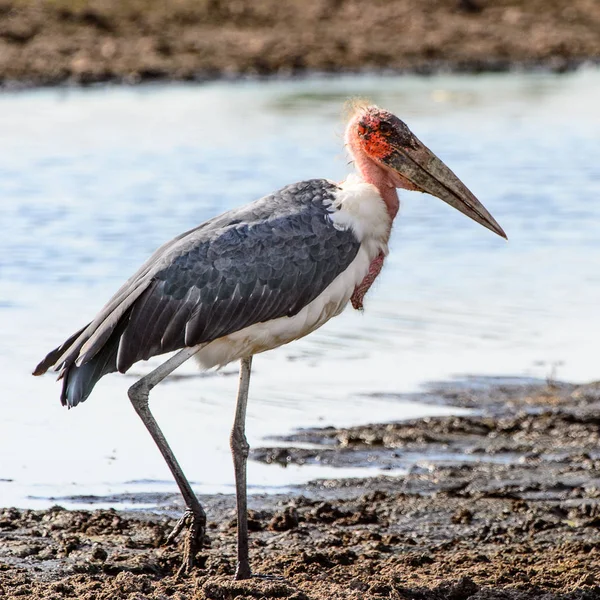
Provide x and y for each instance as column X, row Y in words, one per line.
column 89, row 41
column 502, row 503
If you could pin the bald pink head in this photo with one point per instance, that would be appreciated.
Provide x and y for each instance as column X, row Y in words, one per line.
column 388, row 155
column 368, row 145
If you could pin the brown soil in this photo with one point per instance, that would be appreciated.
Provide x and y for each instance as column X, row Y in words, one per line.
column 85, row 41
column 523, row 527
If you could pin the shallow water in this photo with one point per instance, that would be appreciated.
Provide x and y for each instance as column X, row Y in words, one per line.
column 92, row 181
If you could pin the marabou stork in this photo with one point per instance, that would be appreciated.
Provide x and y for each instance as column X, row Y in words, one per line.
column 253, row 279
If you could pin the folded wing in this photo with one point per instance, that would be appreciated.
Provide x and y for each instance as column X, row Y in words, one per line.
column 250, row 265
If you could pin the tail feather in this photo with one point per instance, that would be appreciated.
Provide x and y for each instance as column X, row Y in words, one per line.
column 53, row 356
column 79, row 381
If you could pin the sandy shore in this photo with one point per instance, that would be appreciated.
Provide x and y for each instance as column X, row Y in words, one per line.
column 45, row 43
column 502, row 504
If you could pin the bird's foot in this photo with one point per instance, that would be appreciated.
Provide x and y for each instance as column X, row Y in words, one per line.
column 243, row 571
column 195, row 526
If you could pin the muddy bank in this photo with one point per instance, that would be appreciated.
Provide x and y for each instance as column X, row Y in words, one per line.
column 500, row 504
column 43, row 43
column 512, row 426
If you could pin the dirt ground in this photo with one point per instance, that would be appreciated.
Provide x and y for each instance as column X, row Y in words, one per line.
column 86, row 41
column 500, row 504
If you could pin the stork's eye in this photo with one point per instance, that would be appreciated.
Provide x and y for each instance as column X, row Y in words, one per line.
column 385, row 128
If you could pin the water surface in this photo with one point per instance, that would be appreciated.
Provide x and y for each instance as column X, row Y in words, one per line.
column 92, row 181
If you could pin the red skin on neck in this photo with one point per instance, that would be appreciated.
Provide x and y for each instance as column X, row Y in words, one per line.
column 363, row 287
column 373, row 173
column 365, row 153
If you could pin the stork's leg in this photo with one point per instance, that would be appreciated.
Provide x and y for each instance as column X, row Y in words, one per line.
column 239, row 449
column 194, row 518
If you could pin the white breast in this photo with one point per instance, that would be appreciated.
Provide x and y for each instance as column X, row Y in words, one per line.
column 359, row 207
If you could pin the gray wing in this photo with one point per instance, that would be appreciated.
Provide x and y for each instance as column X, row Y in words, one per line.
column 250, row 265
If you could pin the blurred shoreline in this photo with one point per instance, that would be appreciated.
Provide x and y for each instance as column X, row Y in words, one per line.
column 94, row 41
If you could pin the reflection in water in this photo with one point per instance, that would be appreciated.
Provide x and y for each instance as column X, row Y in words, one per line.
column 92, row 181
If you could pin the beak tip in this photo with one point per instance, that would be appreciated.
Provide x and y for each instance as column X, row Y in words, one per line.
column 498, row 230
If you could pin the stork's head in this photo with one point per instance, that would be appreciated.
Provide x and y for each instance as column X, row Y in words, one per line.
column 389, row 155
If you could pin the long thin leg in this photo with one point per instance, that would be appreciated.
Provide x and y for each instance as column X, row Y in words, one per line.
column 239, row 449
column 194, row 517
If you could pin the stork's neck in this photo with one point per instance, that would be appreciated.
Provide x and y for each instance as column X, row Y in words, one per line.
column 372, row 173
